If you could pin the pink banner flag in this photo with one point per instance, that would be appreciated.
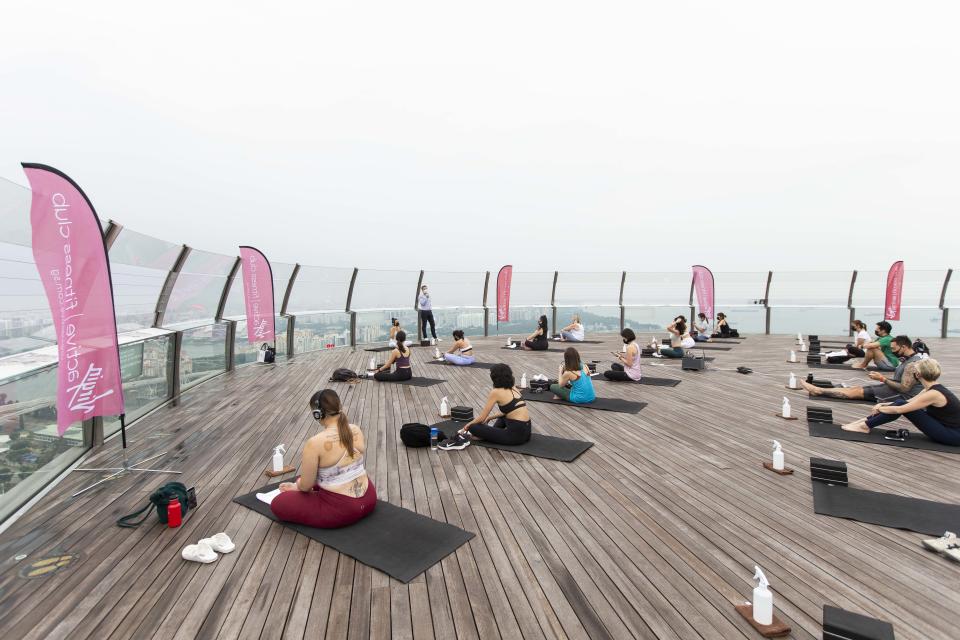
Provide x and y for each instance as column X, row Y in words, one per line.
column 703, row 284
column 503, row 293
column 258, row 295
column 72, row 261
column 891, row 307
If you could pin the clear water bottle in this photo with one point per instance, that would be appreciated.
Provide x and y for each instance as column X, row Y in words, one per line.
column 434, row 433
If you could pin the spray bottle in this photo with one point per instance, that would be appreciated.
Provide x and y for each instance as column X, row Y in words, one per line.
column 623, row 349
column 509, row 341
column 436, row 353
column 777, row 456
column 444, row 408
column 278, row 458
column 762, row 599
column 793, row 381
column 803, row 346
column 523, row 381
column 785, row 410
column 372, row 364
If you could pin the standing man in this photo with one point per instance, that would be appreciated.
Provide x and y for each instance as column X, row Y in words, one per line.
column 425, row 306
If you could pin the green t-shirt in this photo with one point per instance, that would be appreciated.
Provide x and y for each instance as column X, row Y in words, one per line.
column 887, row 351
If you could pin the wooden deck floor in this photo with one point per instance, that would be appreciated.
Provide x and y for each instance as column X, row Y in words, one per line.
column 653, row 533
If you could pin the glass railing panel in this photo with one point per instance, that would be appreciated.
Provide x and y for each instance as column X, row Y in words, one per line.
column 921, row 288
column 319, row 289
column 15, row 212
column 587, row 289
column 467, row 319
column 953, row 323
column 809, row 288
column 824, row 321
column 195, row 298
column 738, row 288
column 147, row 370
column 202, row 353
column 595, row 318
column 523, row 320
column 451, row 289
column 651, row 321
column 915, row 322
column 32, row 454
column 746, row 319
column 374, row 326
column 244, row 352
column 320, row 331
column 385, row 290
column 527, row 288
column 25, row 321
column 139, row 266
column 281, row 278
column 652, row 289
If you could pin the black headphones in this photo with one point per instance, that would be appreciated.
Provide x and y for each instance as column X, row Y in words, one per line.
column 318, row 414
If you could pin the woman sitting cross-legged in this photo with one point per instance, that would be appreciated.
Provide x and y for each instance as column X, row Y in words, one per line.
column 573, row 332
column 401, row 356
column 512, row 426
column 575, row 374
column 461, row 353
column 333, row 489
column 628, row 369
column 678, row 333
column 395, row 328
column 935, row 411
column 537, row 341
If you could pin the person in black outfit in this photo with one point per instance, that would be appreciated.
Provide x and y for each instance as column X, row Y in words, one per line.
column 511, row 427
column 537, row 341
column 425, row 306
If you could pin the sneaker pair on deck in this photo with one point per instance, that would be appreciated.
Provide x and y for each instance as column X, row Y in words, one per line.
column 456, row 443
column 948, row 544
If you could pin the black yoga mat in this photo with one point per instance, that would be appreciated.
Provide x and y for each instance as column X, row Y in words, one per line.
column 708, row 347
column 401, row 543
column 917, row 440
column 475, row 365
column 575, row 342
column 665, row 359
column 379, row 349
column 827, row 365
column 617, row 405
column 653, row 382
column 885, row 509
column 851, row 400
column 413, row 382
column 539, row 445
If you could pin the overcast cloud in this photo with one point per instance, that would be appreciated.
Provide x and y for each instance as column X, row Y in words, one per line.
column 581, row 136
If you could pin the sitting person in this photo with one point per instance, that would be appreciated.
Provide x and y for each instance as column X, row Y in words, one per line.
column 573, row 332
column 702, row 328
column 537, row 341
column 394, row 330
column 723, row 328
column 401, row 356
column 333, row 489
column 461, row 353
column 677, row 329
column 860, row 339
column 879, row 351
column 935, row 411
column 628, row 369
column 511, row 427
column 904, row 383
column 574, row 384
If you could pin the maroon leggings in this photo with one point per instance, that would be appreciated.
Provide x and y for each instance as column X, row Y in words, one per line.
column 323, row 509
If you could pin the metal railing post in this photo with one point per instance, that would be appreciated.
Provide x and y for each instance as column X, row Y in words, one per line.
column 168, row 286
column 353, row 328
column 226, row 289
column 944, row 312
column 486, row 309
column 231, row 340
column 623, row 316
column 291, row 327
column 553, row 302
column 853, row 311
column 175, row 369
column 289, row 290
column 110, row 234
column 766, row 301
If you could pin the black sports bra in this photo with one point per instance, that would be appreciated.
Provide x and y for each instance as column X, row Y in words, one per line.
column 513, row 405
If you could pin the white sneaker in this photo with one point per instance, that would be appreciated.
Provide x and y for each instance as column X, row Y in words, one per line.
column 199, row 553
column 221, row 543
column 942, row 543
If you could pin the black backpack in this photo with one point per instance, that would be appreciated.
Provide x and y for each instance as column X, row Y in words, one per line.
column 159, row 499
column 344, row 375
column 414, row 434
column 270, row 355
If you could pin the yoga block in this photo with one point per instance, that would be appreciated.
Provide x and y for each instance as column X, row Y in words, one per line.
column 846, row 625
column 823, row 384
column 647, row 351
column 813, row 358
column 424, row 343
column 776, row 629
column 693, row 363
column 829, row 471
column 820, row 414
column 813, row 338
column 462, row 414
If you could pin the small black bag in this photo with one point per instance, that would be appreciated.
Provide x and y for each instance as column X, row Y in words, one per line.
column 343, row 375
column 539, row 386
column 414, row 434
column 269, row 353
column 159, row 499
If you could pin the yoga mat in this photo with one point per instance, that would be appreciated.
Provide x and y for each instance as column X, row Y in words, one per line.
column 829, row 398
column 885, row 509
column 653, row 382
column 399, row 542
column 917, row 440
column 708, row 347
column 827, row 365
column 475, row 365
column 575, row 342
column 539, row 445
column 665, row 359
column 617, row 405
column 379, row 349
column 413, row 382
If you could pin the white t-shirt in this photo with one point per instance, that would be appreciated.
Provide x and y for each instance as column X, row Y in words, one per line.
column 862, row 335
column 577, row 331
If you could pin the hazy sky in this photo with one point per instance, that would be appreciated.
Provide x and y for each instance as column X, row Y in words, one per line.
column 580, row 136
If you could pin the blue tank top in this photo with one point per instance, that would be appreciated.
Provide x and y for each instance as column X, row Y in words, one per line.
column 581, row 391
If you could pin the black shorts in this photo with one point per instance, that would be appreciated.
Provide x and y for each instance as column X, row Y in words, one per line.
column 880, row 393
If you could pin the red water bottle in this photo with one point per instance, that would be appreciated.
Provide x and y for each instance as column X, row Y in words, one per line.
column 173, row 513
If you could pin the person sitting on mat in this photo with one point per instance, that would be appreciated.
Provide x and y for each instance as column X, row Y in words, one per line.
column 461, row 353
column 577, row 375
column 702, row 328
column 537, row 341
column 904, row 383
column 879, row 352
column 677, row 329
column 394, row 330
column 333, row 489
column 573, row 332
column 860, row 339
column 935, row 411
column 401, row 356
column 511, row 427
column 723, row 328
column 628, row 369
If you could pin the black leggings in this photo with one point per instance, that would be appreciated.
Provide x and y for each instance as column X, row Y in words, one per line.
column 427, row 317
column 396, row 375
column 856, row 352
column 540, row 344
column 503, row 431
column 617, row 373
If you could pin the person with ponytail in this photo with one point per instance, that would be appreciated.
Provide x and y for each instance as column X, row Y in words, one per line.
column 333, row 489
column 401, row 356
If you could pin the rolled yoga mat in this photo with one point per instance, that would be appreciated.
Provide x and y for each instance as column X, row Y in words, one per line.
column 617, row 405
column 399, row 542
column 885, row 509
column 916, row 440
column 539, row 445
